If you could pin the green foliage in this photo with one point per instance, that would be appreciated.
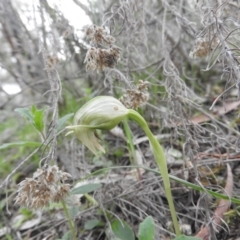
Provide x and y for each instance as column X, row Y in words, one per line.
column 62, row 121
column 25, row 112
column 11, row 122
column 38, row 118
column 90, row 224
column 34, row 116
column 86, row 188
column 146, row 229
column 5, row 166
column 122, row 230
column 174, row 178
column 119, row 152
column 2, row 204
column 66, row 236
column 88, row 92
column 201, row 189
column 21, row 143
column 27, row 213
column 232, row 214
column 17, row 148
column 70, row 104
column 73, row 211
column 183, row 237
column 8, row 237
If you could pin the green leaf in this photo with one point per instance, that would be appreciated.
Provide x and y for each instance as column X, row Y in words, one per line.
column 201, row 189
column 25, row 112
column 62, row 121
column 122, row 230
column 86, row 188
column 27, row 213
column 183, row 237
column 89, row 225
column 2, row 204
column 33, row 115
column 38, row 116
column 66, row 236
column 174, row 178
column 22, row 143
column 146, row 229
column 33, row 109
column 73, row 211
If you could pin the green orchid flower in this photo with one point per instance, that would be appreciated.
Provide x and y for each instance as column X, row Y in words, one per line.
column 105, row 113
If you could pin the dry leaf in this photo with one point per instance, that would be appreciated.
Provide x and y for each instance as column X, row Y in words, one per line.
column 218, row 111
column 228, row 107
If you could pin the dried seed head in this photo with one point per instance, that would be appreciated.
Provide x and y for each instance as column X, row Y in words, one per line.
column 89, row 30
column 133, row 98
column 62, row 191
column 47, row 185
column 108, row 58
column 203, row 47
column 109, row 39
column 51, row 61
column 98, row 59
column 98, row 35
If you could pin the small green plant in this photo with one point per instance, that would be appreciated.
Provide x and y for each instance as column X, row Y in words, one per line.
column 122, row 230
column 47, row 184
column 146, row 229
column 36, row 118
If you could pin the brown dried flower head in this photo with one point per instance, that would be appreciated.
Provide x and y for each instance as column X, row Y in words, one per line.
column 47, row 185
column 51, row 61
column 98, row 59
column 98, row 35
column 136, row 97
column 203, row 47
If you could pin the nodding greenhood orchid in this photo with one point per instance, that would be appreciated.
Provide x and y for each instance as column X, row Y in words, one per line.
column 103, row 112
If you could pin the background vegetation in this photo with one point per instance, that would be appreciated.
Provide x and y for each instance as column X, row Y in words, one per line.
column 187, row 51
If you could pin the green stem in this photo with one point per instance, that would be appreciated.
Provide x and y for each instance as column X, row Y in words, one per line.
column 70, row 222
column 161, row 162
column 91, row 199
column 131, row 147
column 174, row 178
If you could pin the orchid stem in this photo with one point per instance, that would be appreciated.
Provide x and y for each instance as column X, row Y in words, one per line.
column 91, row 199
column 70, row 222
column 131, row 148
column 161, row 162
